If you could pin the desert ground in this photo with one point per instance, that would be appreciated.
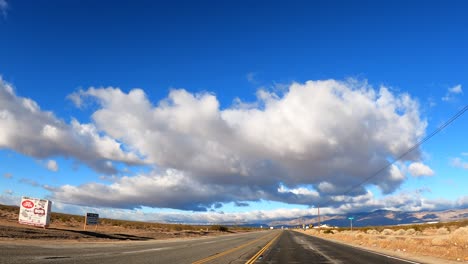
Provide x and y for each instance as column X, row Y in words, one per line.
column 429, row 243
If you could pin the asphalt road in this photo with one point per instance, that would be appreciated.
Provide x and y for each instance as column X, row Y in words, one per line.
column 295, row 247
column 272, row 246
column 237, row 248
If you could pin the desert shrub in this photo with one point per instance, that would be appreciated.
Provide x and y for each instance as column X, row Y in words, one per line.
column 178, row 228
column 400, row 232
column 334, row 231
column 387, row 232
column 442, row 231
column 460, row 236
column 429, row 231
column 359, row 236
column 223, row 228
column 219, row 228
column 372, row 232
column 328, row 231
column 410, row 232
column 439, row 241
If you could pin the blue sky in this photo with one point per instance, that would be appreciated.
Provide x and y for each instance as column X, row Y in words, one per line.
column 232, row 111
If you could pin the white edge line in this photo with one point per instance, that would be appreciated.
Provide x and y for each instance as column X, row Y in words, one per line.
column 378, row 253
column 388, row 256
column 146, row 250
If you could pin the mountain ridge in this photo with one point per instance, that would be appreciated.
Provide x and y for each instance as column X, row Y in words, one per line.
column 378, row 217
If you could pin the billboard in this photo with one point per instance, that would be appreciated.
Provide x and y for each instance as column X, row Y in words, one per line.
column 34, row 211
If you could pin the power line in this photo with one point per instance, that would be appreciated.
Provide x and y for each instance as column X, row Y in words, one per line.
column 419, row 143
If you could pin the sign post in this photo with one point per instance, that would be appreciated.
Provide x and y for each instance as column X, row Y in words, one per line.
column 91, row 219
column 351, row 222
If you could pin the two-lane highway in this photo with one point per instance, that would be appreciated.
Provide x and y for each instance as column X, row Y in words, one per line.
column 295, row 247
column 274, row 246
column 236, row 248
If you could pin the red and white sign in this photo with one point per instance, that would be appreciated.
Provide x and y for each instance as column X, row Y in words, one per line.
column 34, row 211
column 27, row 204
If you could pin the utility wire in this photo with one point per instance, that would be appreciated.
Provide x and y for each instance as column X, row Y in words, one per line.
column 415, row 146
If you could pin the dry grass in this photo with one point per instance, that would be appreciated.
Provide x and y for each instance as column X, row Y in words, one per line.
column 447, row 241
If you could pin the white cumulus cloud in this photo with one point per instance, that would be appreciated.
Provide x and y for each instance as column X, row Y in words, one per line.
column 418, row 169
column 325, row 135
column 29, row 130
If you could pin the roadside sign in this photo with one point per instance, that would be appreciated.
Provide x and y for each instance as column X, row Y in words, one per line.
column 34, row 211
column 91, row 219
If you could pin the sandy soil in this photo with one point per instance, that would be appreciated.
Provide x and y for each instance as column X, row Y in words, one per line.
column 439, row 246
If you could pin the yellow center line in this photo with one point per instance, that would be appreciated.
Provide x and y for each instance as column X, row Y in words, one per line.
column 254, row 258
column 228, row 251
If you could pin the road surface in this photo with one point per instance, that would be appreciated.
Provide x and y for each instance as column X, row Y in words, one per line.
column 273, row 246
column 235, row 249
column 295, row 247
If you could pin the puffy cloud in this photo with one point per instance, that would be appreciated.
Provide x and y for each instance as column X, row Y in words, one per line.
column 8, row 175
column 419, row 169
column 31, row 131
column 305, row 146
column 452, row 91
column 52, row 165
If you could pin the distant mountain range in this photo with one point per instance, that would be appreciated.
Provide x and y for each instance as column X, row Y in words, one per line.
column 377, row 218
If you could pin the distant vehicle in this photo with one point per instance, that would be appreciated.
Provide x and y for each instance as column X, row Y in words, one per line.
column 272, row 227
